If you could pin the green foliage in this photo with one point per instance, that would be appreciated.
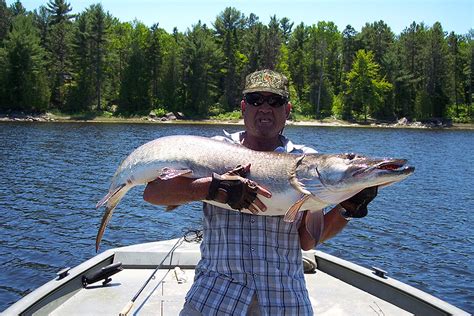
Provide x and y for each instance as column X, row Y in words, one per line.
column 80, row 95
column 228, row 116
column 59, row 10
column 171, row 86
column 436, row 73
column 135, row 91
column 366, row 88
column 229, row 26
column 24, row 76
column 5, row 20
column 92, row 62
column 57, row 37
column 378, row 38
column 338, row 106
column 17, row 8
column 460, row 113
column 202, row 60
column 160, row 112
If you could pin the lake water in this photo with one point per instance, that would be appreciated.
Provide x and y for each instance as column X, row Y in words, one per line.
column 52, row 175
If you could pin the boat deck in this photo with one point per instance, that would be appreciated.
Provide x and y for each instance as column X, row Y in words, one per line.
column 337, row 287
column 329, row 296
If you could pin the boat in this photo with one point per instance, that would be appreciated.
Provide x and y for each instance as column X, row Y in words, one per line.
column 153, row 279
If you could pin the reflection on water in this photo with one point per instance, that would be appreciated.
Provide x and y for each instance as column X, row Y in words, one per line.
column 52, row 175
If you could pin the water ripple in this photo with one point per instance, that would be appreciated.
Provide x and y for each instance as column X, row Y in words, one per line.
column 52, row 175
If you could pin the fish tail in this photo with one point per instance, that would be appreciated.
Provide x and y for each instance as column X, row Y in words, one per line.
column 108, row 196
column 112, row 199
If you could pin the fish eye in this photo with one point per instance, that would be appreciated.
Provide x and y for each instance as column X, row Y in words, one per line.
column 350, row 156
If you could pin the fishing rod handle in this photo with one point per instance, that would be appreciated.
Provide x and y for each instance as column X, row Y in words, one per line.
column 126, row 309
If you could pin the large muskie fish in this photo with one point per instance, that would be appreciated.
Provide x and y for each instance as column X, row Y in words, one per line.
column 297, row 182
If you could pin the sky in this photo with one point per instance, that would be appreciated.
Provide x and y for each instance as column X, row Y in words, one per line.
column 454, row 15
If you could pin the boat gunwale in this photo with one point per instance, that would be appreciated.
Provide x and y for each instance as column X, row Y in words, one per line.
column 386, row 288
column 55, row 292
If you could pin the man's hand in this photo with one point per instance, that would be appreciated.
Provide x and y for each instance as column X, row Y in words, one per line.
column 356, row 206
column 234, row 189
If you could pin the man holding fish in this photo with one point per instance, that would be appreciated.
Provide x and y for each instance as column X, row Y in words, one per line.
column 252, row 265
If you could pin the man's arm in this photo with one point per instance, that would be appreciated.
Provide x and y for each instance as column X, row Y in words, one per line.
column 333, row 223
column 176, row 191
column 335, row 220
column 230, row 188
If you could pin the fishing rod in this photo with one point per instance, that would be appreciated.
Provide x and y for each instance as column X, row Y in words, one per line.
column 189, row 236
column 130, row 304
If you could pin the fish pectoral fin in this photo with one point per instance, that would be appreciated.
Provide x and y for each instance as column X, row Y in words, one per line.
column 108, row 196
column 169, row 208
column 169, row 173
column 290, row 215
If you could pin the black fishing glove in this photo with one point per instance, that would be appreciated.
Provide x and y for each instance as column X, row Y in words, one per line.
column 239, row 191
column 356, row 206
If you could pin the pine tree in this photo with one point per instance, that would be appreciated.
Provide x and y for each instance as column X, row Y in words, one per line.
column 118, row 53
column 433, row 98
column 273, row 39
column 322, row 50
column 24, row 76
column 172, row 75
column 365, row 86
column 378, row 38
column 5, row 20
column 296, row 47
column 409, row 78
column 468, row 72
column 201, row 59
column 81, row 95
column 286, row 27
column 155, row 60
column 229, row 25
column 42, row 18
column 135, row 90
column 252, row 44
column 59, row 46
column 17, row 8
column 99, row 31
column 456, row 73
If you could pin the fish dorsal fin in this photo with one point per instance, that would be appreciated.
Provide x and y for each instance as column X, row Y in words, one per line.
column 295, row 183
column 290, row 215
column 169, row 173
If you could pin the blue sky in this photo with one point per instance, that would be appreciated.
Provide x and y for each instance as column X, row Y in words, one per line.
column 454, row 15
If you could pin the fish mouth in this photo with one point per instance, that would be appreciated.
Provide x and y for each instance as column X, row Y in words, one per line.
column 388, row 166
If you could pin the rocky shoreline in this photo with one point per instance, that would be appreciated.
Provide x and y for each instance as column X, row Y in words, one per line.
column 173, row 118
column 22, row 117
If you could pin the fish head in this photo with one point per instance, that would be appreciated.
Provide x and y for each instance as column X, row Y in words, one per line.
column 344, row 175
column 352, row 170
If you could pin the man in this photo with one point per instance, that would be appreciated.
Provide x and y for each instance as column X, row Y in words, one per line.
column 253, row 264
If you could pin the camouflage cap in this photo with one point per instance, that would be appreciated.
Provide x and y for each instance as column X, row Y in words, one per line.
column 267, row 81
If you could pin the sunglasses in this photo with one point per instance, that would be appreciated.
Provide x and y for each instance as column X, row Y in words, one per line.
column 273, row 100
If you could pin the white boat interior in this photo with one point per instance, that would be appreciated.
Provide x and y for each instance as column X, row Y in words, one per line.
column 336, row 286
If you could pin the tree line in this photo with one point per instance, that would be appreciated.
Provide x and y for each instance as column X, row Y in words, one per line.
column 91, row 61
